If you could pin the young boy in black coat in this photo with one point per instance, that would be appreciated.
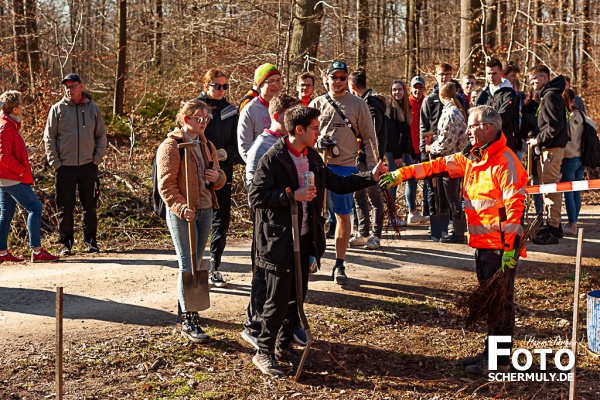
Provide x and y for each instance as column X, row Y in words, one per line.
column 281, row 167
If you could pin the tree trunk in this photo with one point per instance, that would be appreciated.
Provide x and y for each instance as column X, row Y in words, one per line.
column 306, row 31
column 33, row 49
column 469, row 30
column 584, row 45
column 158, row 26
column 20, row 41
column 362, row 32
column 121, row 59
column 491, row 26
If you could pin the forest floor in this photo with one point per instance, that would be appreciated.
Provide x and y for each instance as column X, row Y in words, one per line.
column 393, row 332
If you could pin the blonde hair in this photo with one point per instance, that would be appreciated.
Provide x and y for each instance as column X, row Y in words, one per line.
column 11, row 99
column 190, row 108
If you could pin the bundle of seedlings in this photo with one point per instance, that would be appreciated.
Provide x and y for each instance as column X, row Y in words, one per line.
column 486, row 301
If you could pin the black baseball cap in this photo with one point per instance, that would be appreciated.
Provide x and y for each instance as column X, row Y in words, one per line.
column 336, row 66
column 71, row 77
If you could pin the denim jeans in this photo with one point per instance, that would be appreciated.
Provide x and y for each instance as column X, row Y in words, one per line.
column 572, row 170
column 22, row 194
column 181, row 239
column 410, row 191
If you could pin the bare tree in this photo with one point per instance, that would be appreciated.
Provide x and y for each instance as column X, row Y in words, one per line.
column 306, row 31
column 121, row 60
column 362, row 32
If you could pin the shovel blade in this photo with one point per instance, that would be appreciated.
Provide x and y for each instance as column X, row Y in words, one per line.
column 195, row 291
column 439, row 226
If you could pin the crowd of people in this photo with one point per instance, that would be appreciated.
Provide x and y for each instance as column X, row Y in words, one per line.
column 465, row 143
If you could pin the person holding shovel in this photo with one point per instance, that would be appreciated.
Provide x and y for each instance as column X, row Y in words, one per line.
column 283, row 166
column 203, row 176
column 494, row 193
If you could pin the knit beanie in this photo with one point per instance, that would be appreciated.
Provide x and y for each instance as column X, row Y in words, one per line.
column 263, row 72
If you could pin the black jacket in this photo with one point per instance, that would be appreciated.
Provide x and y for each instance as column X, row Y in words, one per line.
column 273, row 221
column 552, row 115
column 222, row 131
column 376, row 105
column 506, row 101
column 398, row 134
column 529, row 119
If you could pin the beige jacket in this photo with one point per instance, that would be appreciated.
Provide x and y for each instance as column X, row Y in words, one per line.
column 171, row 174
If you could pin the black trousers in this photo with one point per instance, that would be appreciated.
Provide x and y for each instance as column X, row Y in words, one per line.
column 83, row 179
column 220, row 226
column 280, row 312
column 487, row 262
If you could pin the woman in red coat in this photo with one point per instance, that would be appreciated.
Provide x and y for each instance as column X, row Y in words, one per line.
column 16, row 180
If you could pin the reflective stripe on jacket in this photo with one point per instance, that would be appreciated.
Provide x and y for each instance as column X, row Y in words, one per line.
column 493, row 190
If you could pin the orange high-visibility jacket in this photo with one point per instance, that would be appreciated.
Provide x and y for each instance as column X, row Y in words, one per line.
column 493, row 189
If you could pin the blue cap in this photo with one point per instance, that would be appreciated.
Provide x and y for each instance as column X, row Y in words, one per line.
column 71, row 77
column 336, row 66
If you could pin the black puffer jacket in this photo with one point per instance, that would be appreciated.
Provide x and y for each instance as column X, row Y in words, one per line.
column 506, row 101
column 398, row 134
column 552, row 115
column 273, row 221
column 222, row 131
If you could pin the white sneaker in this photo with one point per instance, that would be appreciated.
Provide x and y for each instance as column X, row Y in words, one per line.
column 358, row 240
column 416, row 218
column 373, row 243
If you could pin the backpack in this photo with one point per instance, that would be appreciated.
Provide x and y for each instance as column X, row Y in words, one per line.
column 158, row 205
column 590, row 146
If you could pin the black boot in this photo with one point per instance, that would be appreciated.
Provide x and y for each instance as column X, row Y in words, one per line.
column 190, row 328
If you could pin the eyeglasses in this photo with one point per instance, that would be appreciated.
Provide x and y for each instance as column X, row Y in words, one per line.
column 218, row 86
column 305, row 85
column 475, row 126
column 274, row 82
column 201, row 119
column 72, row 86
column 338, row 78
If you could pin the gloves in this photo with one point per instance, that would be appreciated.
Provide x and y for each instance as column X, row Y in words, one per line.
column 326, row 142
column 390, row 179
column 221, row 155
column 509, row 260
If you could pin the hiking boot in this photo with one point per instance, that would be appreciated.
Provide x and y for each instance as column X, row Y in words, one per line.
column 416, row 218
column 358, row 240
column 65, row 251
column 300, row 336
column 190, row 328
column 557, row 232
column 480, row 369
column 466, row 361
column 373, row 243
column 545, row 237
column 291, row 357
column 216, row 279
column 265, row 361
column 10, row 258
column 43, row 256
column 90, row 248
column 339, row 275
column 250, row 338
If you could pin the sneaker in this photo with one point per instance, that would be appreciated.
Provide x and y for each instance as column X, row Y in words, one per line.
column 545, row 237
column 216, row 279
column 10, row 258
column 570, row 229
column 291, row 357
column 265, row 361
column 250, row 338
column 65, row 251
column 466, row 361
column 396, row 220
column 43, row 256
column 358, row 240
column 480, row 369
column 190, row 328
column 373, row 243
column 416, row 218
column 90, row 248
column 339, row 275
column 452, row 238
column 300, row 336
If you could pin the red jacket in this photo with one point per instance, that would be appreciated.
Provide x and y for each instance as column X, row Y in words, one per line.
column 13, row 152
column 415, row 105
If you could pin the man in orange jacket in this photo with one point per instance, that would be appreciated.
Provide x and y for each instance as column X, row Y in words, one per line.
column 494, row 193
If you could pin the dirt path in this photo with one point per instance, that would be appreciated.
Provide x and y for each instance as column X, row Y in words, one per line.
column 121, row 291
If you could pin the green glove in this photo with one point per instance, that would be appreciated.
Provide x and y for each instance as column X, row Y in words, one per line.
column 508, row 260
column 390, row 179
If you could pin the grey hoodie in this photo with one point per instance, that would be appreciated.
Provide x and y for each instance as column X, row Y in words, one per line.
column 75, row 134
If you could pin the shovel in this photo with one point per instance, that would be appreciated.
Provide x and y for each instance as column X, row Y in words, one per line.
column 195, row 283
column 438, row 221
column 299, row 289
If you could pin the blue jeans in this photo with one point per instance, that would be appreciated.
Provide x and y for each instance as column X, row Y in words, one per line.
column 410, row 191
column 181, row 239
column 22, row 194
column 572, row 170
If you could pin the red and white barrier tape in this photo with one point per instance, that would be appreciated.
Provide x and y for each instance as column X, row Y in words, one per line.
column 563, row 187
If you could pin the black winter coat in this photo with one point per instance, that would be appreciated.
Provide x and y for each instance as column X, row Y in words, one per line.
column 276, row 171
column 222, row 131
column 552, row 115
column 506, row 101
column 398, row 134
column 376, row 105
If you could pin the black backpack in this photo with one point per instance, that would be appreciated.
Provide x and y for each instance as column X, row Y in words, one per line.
column 158, row 205
column 590, row 146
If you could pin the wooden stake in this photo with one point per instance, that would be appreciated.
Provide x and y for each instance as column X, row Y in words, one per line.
column 59, row 343
column 576, row 312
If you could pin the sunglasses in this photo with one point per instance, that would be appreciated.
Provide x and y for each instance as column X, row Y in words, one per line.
column 338, row 78
column 218, row 86
column 201, row 119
